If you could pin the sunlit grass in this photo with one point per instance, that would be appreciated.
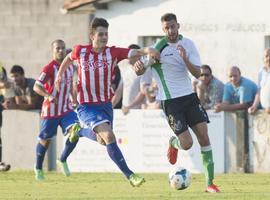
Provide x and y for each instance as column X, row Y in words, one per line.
column 22, row 185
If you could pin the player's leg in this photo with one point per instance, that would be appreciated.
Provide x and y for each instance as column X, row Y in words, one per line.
column 197, row 119
column 66, row 123
column 3, row 166
column 207, row 156
column 174, row 110
column 48, row 129
column 105, row 132
column 76, row 131
column 99, row 118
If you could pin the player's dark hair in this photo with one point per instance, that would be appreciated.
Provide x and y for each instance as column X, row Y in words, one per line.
column 168, row 17
column 98, row 22
column 134, row 46
column 17, row 69
column 207, row 67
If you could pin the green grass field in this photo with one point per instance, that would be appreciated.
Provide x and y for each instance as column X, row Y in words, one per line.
column 22, row 185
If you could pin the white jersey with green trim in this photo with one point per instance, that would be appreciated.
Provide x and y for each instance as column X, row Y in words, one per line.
column 171, row 74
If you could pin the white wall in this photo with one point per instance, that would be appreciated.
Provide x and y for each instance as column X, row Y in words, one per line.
column 226, row 33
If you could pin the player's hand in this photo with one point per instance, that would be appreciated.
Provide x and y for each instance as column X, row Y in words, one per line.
column 155, row 54
column 57, row 83
column 182, row 52
column 139, row 67
column 52, row 99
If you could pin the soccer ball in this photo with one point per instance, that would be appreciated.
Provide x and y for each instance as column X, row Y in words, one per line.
column 147, row 61
column 179, row 178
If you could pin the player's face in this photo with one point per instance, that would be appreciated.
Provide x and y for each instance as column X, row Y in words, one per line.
column 234, row 76
column 100, row 37
column 17, row 79
column 170, row 29
column 59, row 51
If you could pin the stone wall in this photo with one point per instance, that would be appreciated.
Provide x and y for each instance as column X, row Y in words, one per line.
column 29, row 26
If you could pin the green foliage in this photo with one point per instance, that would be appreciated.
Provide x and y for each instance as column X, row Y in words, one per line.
column 22, row 185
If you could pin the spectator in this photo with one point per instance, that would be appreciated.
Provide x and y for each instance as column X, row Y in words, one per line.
column 7, row 96
column 26, row 98
column 151, row 93
column 238, row 94
column 208, row 88
column 263, row 94
column 117, row 88
column 134, row 87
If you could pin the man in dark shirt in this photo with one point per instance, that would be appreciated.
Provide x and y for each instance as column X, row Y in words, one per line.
column 26, row 98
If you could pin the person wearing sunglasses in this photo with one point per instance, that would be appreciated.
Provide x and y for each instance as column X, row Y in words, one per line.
column 208, row 88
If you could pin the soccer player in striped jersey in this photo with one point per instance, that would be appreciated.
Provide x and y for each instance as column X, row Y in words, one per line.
column 56, row 109
column 178, row 58
column 96, row 63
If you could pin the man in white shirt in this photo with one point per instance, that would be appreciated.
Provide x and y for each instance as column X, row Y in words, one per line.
column 178, row 58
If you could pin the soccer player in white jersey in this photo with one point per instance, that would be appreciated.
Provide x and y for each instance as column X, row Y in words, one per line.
column 178, row 58
column 96, row 63
column 56, row 110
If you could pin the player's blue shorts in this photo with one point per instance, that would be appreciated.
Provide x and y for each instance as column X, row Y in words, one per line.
column 92, row 115
column 48, row 127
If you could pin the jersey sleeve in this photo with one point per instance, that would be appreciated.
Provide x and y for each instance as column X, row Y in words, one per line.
column 45, row 75
column 74, row 55
column 193, row 55
column 120, row 53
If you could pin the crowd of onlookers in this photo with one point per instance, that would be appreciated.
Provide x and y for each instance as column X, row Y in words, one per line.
column 239, row 93
column 139, row 92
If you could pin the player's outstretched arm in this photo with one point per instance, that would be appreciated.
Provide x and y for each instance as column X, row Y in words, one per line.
column 63, row 67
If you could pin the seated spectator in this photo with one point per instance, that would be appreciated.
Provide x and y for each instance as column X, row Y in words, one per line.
column 150, row 94
column 7, row 97
column 238, row 94
column 208, row 88
column 26, row 98
column 263, row 95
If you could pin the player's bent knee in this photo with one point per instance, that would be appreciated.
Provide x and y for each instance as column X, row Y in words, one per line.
column 187, row 145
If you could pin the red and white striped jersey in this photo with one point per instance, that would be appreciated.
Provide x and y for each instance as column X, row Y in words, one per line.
column 95, row 72
column 47, row 79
